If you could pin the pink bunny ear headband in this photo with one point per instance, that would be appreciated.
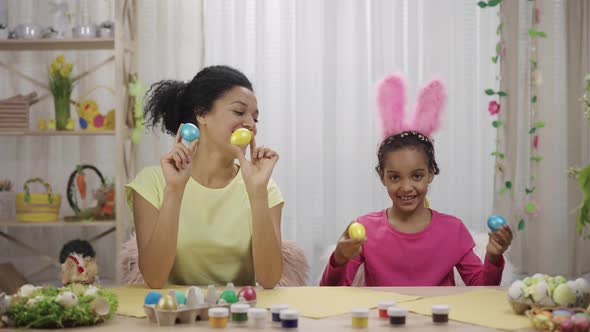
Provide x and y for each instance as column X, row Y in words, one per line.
column 425, row 120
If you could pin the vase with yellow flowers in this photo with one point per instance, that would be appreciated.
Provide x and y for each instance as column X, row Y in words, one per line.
column 60, row 84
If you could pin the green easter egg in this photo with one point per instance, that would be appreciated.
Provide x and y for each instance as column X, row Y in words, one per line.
column 229, row 296
column 180, row 298
column 564, row 295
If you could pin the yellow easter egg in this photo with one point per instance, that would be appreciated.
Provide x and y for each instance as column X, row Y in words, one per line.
column 241, row 137
column 51, row 124
column 109, row 121
column 42, row 124
column 167, row 302
column 70, row 124
column 356, row 230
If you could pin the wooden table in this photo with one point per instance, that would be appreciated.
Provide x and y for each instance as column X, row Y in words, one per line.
column 414, row 322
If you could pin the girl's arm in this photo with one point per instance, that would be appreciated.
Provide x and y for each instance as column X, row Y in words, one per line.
column 341, row 275
column 344, row 261
column 266, row 240
column 474, row 273
column 157, row 233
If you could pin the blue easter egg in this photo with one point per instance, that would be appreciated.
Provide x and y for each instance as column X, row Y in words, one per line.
column 495, row 222
column 152, row 298
column 189, row 132
column 83, row 123
column 561, row 313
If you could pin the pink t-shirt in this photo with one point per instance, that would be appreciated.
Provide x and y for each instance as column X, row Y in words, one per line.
column 426, row 258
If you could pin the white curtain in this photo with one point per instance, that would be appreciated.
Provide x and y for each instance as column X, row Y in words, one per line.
column 315, row 64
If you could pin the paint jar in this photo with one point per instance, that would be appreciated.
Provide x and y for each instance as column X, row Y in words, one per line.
column 276, row 311
column 383, row 306
column 258, row 317
column 218, row 317
column 360, row 317
column 397, row 315
column 289, row 319
column 440, row 313
column 239, row 313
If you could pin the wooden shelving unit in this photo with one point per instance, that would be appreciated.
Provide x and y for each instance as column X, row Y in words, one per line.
column 59, row 223
column 58, row 133
column 124, row 49
column 57, row 44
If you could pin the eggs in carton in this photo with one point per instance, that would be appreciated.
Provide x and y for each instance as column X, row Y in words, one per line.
column 192, row 306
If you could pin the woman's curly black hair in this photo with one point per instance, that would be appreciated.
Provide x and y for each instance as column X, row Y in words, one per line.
column 172, row 102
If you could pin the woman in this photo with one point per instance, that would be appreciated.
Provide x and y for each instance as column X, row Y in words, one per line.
column 201, row 218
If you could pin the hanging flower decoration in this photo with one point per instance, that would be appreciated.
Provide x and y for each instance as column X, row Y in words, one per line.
column 531, row 209
column 493, row 107
column 536, row 77
column 499, row 167
column 537, row 14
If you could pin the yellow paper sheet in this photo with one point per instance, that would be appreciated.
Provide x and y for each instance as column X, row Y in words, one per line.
column 321, row 302
column 312, row 302
column 489, row 308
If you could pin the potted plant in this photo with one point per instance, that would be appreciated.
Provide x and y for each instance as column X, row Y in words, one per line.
column 60, row 84
column 582, row 175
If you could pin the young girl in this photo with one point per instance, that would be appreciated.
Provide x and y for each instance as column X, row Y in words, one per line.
column 200, row 218
column 408, row 244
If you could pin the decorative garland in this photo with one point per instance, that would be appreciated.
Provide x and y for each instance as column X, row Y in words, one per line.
column 531, row 207
column 496, row 107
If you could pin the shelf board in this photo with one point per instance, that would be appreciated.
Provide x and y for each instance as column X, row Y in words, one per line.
column 57, row 44
column 59, row 223
column 57, row 133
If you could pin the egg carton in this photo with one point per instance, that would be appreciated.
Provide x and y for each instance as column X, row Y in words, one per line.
column 195, row 305
column 184, row 314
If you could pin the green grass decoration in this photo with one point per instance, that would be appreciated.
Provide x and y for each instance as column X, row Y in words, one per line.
column 48, row 313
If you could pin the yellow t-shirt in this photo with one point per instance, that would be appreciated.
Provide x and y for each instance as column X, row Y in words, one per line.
column 215, row 228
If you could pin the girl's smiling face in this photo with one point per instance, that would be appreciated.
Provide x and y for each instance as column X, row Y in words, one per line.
column 406, row 175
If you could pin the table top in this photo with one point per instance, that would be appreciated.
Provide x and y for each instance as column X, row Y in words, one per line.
column 414, row 322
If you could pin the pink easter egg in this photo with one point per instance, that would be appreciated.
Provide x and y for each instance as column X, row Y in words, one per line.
column 248, row 293
column 98, row 121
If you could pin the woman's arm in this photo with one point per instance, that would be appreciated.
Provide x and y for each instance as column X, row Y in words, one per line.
column 157, row 233
column 266, row 240
column 157, row 230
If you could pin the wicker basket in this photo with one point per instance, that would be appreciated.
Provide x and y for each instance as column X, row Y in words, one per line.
column 37, row 207
column 7, row 205
column 550, row 323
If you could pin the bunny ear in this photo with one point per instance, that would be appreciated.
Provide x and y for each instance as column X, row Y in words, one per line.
column 391, row 99
column 431, row 103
